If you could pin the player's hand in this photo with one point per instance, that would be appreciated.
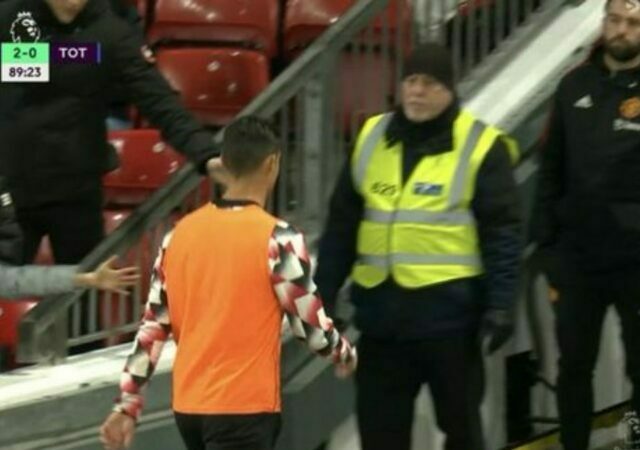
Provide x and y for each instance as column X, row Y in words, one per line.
column 217, row 172
column 116, row 433
column 554, row 295
column 346, row 369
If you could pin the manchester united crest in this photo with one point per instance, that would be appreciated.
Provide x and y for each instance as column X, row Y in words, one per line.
column 630, row 108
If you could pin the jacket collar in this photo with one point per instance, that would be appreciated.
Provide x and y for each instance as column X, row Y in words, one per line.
column 627, row 79
column 430, row 137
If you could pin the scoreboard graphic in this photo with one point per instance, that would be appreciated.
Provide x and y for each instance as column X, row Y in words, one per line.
column 31, row 62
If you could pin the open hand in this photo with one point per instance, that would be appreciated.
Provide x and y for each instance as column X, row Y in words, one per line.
column 108, row 278
column 116, row 433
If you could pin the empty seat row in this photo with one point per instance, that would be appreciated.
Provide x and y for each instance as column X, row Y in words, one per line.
column 306, row 20
column 255, row 23
column 214, row 83
column 215, row 54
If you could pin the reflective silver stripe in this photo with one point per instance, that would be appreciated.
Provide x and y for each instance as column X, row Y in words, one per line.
column 416, row 216
column 368, row 146
column 382, row 261
column 444, row 260
column 375, row 215
column 437, row 218
column 460, row 177
column 379, row 261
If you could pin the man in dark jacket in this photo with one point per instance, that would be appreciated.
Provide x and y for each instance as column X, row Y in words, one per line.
column 54, row 149
column 425, row 217
column 587, row 218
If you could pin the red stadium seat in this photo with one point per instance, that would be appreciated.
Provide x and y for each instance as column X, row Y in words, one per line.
column 214, row 83
column 146, row 163
column 247, row 22
column 113, row 218
column 305, row 20
column 10, row 313
column 367, row 82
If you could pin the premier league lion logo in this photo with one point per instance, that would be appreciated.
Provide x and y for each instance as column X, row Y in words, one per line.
column 25, row 28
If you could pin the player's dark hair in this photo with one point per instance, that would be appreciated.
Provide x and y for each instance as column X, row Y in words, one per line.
column 247, row 142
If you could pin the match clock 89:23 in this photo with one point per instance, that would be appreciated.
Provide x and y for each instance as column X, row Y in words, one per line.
column 28, row 62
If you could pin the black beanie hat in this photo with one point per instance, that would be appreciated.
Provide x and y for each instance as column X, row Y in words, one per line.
column 431, row 59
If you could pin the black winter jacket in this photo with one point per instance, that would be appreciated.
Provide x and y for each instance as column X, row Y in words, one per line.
column 587, row 209
column 52, row 135
column 11, row 238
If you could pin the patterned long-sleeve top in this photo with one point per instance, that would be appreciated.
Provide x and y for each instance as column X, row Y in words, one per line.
column 291, row 278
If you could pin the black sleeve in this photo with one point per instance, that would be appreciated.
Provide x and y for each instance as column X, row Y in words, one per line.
column 337, row 252
column 550, row 187
column 11, row 238
column 155, row 99
column 496, row 207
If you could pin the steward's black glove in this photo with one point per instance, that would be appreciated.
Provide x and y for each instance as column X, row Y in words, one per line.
column 496, row 329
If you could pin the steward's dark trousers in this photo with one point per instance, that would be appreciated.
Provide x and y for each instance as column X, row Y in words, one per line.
column 390, row 375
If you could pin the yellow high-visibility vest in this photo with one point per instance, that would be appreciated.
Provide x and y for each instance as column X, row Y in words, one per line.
column 421, row 232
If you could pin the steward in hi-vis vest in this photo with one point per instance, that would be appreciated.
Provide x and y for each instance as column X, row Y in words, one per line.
column 425, row 219
column 423, row 232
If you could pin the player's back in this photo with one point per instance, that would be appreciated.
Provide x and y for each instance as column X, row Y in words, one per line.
column 225, row 315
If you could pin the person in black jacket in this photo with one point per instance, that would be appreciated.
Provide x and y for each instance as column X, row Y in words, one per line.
column 586, row 221
column 54, row 150
column 431, row 331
